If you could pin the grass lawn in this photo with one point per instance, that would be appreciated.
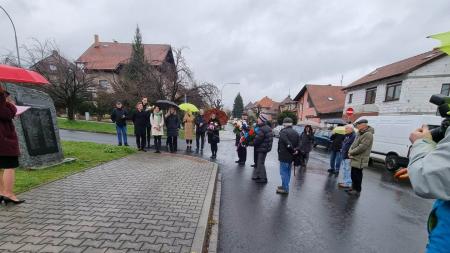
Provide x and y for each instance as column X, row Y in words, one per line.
column 91, row 126
column 88, row 155
column 97, row 127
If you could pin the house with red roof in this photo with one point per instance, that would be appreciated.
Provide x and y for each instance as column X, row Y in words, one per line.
column 402, row 87
column 319, row 103
column 266, row 105
column 105, row 60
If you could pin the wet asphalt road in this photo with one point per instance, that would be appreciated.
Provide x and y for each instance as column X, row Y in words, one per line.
column 316, row 216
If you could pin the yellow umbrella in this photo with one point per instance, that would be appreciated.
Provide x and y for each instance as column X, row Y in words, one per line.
column 188, row 107
column 339, row 130
column 445, row 41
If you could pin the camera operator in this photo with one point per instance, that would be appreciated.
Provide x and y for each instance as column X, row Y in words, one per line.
column 429, row 173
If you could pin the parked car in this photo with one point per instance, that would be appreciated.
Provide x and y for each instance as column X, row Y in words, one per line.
column 391, row 142
column 276, row 130
column 322, row 138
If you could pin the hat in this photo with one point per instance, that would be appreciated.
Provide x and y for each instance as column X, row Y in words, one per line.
column 263, row 117
column 288, row 121
column 362, row 121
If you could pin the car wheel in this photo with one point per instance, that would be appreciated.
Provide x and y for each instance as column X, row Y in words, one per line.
column 392, row 162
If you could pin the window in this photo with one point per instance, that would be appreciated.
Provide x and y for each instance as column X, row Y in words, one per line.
column 393, row 91
column 445, row 89
column 350, row 98
column 104, row 84
column 371, row 94
column 52, row 67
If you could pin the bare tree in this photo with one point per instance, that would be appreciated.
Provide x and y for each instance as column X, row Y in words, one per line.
column 69, row 84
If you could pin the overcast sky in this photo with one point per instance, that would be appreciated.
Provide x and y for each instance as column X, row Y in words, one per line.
column 269, row 47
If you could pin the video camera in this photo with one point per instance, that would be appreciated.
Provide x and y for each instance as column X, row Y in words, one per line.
column 443, row 103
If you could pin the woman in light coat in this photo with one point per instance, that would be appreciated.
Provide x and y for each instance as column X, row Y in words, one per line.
column 157, row 123
column 188, row 121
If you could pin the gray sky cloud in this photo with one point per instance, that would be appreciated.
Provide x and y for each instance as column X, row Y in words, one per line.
column 270, row 47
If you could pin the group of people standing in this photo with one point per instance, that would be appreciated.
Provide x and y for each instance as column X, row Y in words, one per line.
column 151, row 121
column 353, row 149
column 350, row 151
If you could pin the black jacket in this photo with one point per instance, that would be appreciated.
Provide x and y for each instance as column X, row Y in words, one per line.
column 287, row 143
column 200, row 120
column 305, row 142
column 337, row 140
column 119, row 116
column 264, row 139
column 141, row 119
column 172, row 124
column 213, row 135
column 346, row 144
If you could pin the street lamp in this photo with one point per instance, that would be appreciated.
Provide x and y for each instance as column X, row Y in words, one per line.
column 221, row 90
column 15, row 34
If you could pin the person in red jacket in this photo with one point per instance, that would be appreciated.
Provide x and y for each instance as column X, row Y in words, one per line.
column 9, row 149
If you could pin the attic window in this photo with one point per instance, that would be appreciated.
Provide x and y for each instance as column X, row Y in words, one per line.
column 52, row 67
column 330, row 99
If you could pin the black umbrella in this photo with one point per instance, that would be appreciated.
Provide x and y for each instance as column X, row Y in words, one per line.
column 164, row 104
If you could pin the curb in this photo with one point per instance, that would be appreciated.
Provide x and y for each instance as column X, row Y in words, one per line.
column 213, row 245
column 200, row 237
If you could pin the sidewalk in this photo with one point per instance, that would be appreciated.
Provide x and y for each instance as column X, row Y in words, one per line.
column 141, row 203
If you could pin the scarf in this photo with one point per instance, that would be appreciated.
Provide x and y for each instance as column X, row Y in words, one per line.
column 158, row 117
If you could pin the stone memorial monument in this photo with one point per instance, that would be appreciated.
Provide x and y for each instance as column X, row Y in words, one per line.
column 37, row 128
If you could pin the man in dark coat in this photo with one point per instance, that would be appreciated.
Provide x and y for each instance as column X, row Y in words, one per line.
column 263, row 145
column 172, row 124
column 148, row 128
column 287, row 145
column 140, row 119
column 120, row 116
column 335, row 158
column 200, row 130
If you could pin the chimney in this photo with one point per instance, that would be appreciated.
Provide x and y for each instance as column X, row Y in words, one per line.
column 55, row 52
column 96, row 40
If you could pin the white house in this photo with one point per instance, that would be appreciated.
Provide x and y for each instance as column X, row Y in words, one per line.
column 403, row 87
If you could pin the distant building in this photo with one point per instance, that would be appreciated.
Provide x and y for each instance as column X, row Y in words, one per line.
column 268, row 107
column 105, row 61
column 53, row 66
column 319, row 103
column 403, row 87
column 288, row 105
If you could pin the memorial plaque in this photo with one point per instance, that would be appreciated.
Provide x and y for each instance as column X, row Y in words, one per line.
column 39, row 131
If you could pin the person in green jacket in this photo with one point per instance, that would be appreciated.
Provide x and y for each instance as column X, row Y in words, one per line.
column 429, row 173
column 359, row 153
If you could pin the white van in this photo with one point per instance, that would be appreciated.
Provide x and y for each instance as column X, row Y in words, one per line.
column 391, row 139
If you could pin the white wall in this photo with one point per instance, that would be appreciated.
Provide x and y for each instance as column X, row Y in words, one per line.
column 417, row 87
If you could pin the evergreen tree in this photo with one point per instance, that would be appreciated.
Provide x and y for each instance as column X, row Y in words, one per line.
column 238, row 106
column 137, row 67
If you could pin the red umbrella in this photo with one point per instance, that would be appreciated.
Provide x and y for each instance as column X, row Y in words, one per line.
column 221, row 115
column 20, row 75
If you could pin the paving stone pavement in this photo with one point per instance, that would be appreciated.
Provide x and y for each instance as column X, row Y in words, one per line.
column 141, row 203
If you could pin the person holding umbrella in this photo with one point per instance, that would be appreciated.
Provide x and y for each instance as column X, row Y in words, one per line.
column 173, row 124
column 9, row 149
column 213, row 134
column 188, row 121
